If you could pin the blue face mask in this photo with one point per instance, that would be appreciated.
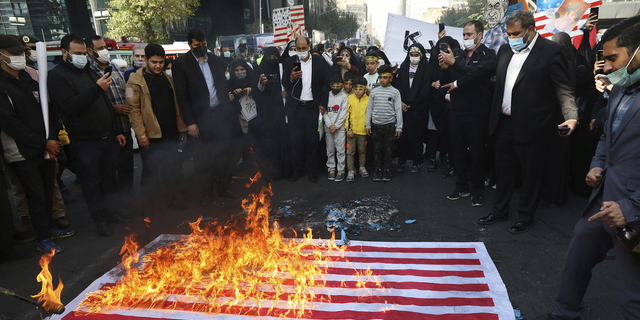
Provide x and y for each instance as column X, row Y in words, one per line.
column 79, row 60
column 622, row 78
column 518, row 44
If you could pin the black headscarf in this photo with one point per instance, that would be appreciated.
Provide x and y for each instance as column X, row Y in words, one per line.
column 567, row 45
column 435, row 51
column 268, row 67
column 249, row 81
column 285, row 53
column 418, row 92
column 380, row 54
column 337, row 69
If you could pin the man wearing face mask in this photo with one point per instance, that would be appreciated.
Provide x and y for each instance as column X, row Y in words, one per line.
column 203, row 96
column 468, row 113
column 532, row 86
column 26, row 147
column 99, row 60
column 306, row 83
column 139, row 61
column 615, row 179
column 30, row 55
column 91, row 121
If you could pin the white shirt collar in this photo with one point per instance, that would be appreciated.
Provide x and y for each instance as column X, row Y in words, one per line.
column 529, row 47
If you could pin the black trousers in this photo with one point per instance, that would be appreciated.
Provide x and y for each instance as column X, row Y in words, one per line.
column 468, row 139
column 125, row 167
column 410, row 143
column 216, row 150
column 161, row 165
column 6, row 221
column 384, row 140
column 509, row 154
column 303, row 125
column 97, row 161
column 37, row 177
column 589, row 245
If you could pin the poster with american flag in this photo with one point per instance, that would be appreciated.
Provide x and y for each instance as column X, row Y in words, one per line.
column 288, row 23
column 417, row 280
column 568, row 16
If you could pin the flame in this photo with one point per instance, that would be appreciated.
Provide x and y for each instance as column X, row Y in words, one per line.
column 48, row 297
column 147, row 220
column 254, row 179
column 223, row 269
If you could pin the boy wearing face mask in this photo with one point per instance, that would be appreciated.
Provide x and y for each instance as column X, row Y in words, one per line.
column 91, row 121
column 334, row 118
column 26, row 147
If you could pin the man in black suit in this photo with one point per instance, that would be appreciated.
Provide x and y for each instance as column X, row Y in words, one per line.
column 307, row 92
column 532, row 81
column 203, row 96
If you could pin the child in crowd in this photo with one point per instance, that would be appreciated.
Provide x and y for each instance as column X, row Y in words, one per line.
column 384, row 122
column 335, row 133
column 356, row 131
column 348, row 82
column 371, row 63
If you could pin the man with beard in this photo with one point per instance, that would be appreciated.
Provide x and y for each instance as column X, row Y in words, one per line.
column 203, row 96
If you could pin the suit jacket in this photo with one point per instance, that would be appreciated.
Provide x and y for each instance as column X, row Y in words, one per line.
column 319, row 83
column 619, row 158
column 542, row 84
column 191, row 88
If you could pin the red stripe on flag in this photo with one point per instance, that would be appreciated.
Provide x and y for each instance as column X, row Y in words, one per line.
column 474, row 262
column 279, row 29
column 407, row 272
column 296, row 20
column 347, row 314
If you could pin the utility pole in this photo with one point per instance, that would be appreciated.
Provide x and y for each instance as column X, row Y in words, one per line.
column 260, row 8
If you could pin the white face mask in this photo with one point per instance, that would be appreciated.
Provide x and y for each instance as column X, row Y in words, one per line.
column 103, row 56
column 17, row 62
column 380, row 63
column 227, row 54
column 167, row 72
column 414, row 60
column 139, row 64
column 469, row 44
column 227, row 75
column 302, row 55
column 33, row 55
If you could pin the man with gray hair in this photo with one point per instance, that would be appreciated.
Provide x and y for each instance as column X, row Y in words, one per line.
column 139, row 60
column 532, row 87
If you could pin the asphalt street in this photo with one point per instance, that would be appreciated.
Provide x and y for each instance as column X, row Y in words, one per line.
column 530, row 264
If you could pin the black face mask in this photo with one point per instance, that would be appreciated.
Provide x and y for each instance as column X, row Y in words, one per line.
column 200, row 51
column 335, row 91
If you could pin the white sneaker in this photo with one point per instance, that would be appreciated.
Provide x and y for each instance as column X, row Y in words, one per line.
column 363, row 172
column 351, row 176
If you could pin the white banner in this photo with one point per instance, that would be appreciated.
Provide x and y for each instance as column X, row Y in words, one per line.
column 264, row 42
column 402, row 32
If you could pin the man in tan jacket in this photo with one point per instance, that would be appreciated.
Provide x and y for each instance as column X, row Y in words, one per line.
column 157, row 121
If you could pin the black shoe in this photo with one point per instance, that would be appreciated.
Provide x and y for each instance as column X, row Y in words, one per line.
column 377, row 175
column 611, row 255
column 294, row 177
column 448, row 172
column 455, row 195
column 401, row 166
column 491, row 219
column 519, row 227
column 386, row 175
column 477, row 201
column 104, row 229
column 115, row 218
column 16, row 256
column 24, row 237
column 431, row 165
column 312, row 177
column 227, row 193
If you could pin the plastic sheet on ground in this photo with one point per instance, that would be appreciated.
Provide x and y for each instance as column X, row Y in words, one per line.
column 373, row 214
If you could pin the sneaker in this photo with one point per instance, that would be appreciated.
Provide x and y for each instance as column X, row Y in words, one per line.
column 377, row 175
column 386, row 175
column 416, row 168
column 57, row 233
column 363, row 172
column 401, row 166
column 477, row 201
column 23, row 237
column 332, row 175
column 448, row 172
column 431, row 165
column 351, row 176
column 47, row 246
column 455, row 195
column 339, row 177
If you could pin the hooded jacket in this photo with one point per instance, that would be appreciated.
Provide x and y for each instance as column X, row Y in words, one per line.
column 357, row 115
column 143, row 119
column 415, row 94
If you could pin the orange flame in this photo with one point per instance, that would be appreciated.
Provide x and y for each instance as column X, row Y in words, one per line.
column 49, row 297
column 147, row 220
column 254, row 179
column 223, row 269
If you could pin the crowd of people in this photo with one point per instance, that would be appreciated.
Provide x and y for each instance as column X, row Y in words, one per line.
column 530, row 115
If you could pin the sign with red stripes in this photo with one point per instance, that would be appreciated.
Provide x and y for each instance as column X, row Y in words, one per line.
column 288, row 23
column 419, row 280
column 569, row 16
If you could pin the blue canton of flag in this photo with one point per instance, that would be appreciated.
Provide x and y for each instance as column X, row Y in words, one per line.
column 281, row 18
